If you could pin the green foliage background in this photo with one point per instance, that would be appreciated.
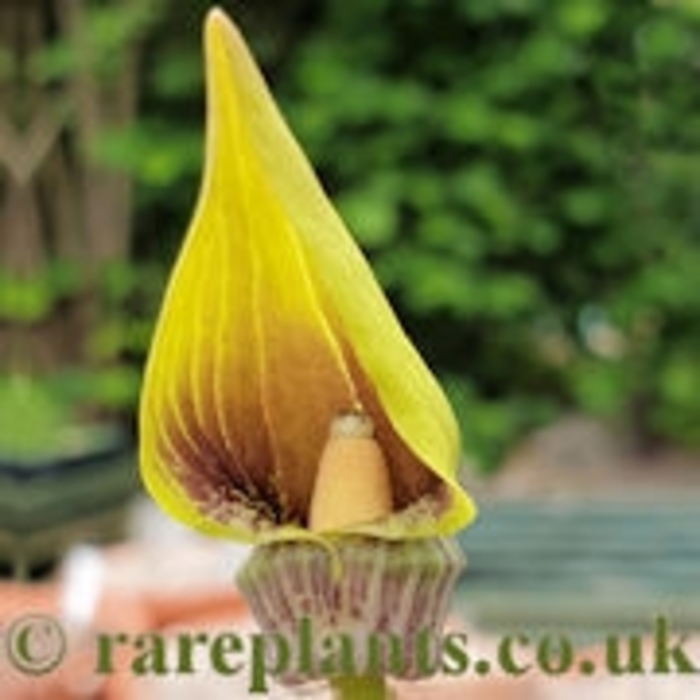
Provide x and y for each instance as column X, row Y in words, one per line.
column 524, row 174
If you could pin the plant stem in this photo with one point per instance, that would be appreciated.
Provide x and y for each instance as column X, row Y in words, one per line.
column 360, row 688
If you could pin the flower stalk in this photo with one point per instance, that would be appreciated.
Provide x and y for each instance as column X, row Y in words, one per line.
column 365, row 687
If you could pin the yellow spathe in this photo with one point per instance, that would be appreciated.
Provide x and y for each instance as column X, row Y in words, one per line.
column 271, row 326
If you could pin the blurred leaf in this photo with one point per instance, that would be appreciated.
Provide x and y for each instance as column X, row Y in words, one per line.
column 663, row 39
column 154, row 153
column 372, row 213
column 582, row 17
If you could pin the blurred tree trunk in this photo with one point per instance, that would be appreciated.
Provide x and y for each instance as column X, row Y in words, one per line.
column 58, row 204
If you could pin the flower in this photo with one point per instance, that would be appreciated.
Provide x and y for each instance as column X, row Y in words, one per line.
column 272, row 325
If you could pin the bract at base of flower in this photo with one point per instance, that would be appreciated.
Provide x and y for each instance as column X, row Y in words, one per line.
column 379, row 605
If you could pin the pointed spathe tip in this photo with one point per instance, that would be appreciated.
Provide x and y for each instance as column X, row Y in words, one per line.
column 219, row 28
column 216, row 17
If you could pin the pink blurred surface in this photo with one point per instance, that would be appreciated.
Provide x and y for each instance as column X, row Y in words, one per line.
column 167, row 581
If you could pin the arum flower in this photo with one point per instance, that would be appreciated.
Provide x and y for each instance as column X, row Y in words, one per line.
column 283, row 405
column 271, row 328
